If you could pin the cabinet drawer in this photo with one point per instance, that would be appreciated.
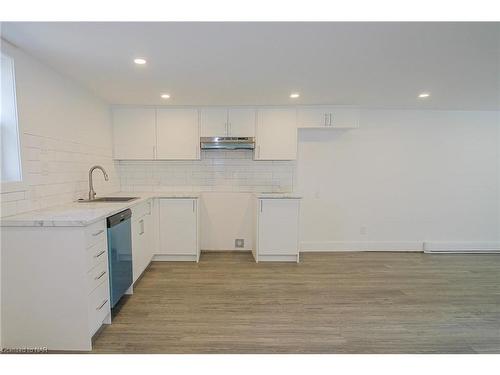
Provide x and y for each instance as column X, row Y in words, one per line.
column 95, row 233
column 96, row 254
column 97, row 275
column 98, row 307
column 140, row 210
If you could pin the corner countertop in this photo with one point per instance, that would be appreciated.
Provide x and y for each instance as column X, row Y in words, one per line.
column 78, row 214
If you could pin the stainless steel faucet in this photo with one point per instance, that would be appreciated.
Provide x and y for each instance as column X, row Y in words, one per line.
column 91, row 184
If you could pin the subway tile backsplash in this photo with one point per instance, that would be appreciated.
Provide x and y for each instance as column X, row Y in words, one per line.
column 218, row 170
column 55, row 171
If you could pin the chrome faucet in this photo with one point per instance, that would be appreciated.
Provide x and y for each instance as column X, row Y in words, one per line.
column 91, row 184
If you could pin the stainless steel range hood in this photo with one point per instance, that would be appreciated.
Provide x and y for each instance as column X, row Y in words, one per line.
column 227, row 143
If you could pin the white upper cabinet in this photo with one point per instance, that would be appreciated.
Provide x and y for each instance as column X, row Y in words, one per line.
column 276, row 134
column 174, row 133
column 241, row 122
column 214, row 122
column 134, row 133
column 178, row 134
column 224, row 122
column 328, row 117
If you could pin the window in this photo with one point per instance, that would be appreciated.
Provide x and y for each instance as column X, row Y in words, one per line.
column 11, row 161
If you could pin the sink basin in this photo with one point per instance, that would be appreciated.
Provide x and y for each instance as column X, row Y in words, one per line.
column 108, row 199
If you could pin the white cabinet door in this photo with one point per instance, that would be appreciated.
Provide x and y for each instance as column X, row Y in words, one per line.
column 313, row 117
column 142, row 242
column 178, row 136
column 214, row 122
column 179, row 227
column 137, row 248
column 328, row 117
column 241, row 122
column 344, row 118
column 148, row 241
column 276, row 134
column 134, row 133
column 278, row 226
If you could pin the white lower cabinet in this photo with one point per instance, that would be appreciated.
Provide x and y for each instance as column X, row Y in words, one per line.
column 142, row 237
column 55, row 286
column 277, row 229
column 99, row 306
column 178, row 229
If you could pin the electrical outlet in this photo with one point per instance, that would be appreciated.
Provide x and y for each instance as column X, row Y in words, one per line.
column 239, row 242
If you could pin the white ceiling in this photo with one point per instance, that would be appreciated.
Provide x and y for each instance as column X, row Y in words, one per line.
column 368, row 64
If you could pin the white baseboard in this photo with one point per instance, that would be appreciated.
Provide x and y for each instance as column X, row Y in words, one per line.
column 227, row 250
column 278, row 258
column 326, row 246
column 174, row 258
column 461, row 247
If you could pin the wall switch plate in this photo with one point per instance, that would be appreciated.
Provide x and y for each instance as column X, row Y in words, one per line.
column 239, row 242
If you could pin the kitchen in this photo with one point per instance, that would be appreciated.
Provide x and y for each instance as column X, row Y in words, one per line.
column 134, row 165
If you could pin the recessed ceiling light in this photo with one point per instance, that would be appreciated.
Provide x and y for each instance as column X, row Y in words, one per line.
column 140, row 61
column 165, row 96
column 424, row 95
column 294, row 95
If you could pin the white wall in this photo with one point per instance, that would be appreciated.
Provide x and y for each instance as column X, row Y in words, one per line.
column 64, row 131
column 403, row 178
column 224, row 217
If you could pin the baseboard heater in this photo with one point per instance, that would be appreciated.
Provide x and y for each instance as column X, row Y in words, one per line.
column 462, row 247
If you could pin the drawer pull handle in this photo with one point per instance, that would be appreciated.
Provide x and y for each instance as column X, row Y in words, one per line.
column 101, row 275
column 98, row 233
column 98, row 255
column 102, row 305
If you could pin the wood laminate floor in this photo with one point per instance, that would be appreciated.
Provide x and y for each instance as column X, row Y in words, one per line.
column 329, row 303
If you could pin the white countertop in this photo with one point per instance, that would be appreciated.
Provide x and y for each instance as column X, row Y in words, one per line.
column 78, row 214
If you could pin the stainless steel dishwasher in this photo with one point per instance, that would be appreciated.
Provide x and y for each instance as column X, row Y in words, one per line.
column 120, row 254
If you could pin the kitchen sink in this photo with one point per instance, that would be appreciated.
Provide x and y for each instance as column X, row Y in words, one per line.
column 108, row 199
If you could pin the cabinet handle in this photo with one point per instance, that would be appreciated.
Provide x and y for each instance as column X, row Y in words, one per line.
column 229, row 132
column 98, row 255
column 330, row 119
column 98, row 233
column 261, row 205
column 101, row 275
column 102, row 305
column 326, row 119
column 141, row 224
